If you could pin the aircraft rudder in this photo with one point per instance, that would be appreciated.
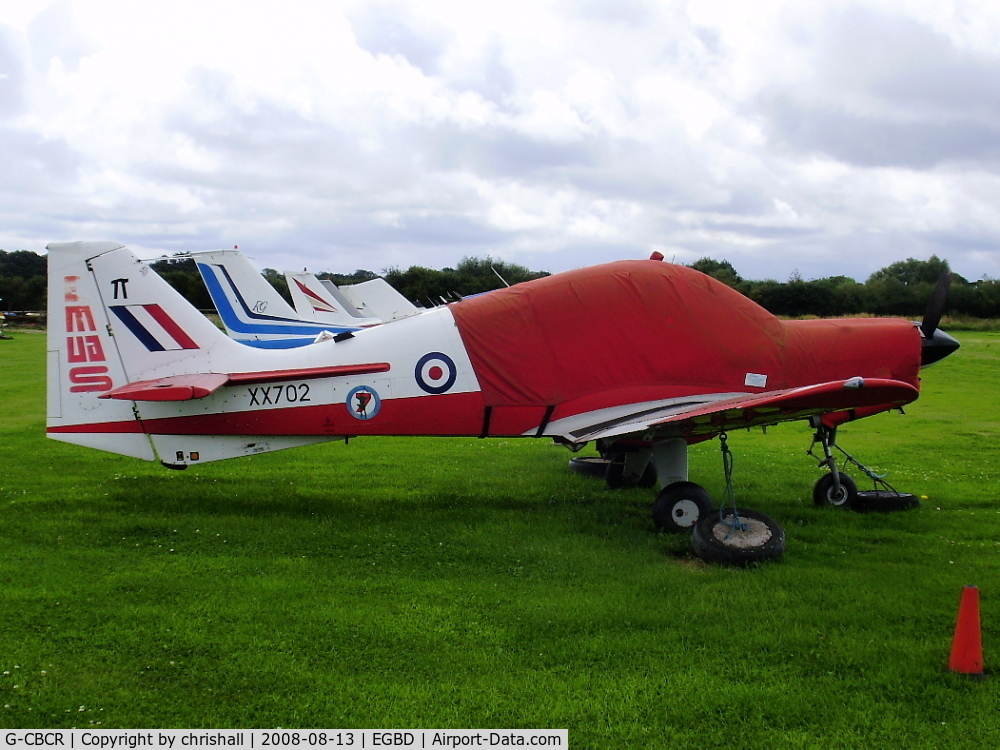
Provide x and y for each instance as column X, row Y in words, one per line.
column 237, row 289
column 82, row 359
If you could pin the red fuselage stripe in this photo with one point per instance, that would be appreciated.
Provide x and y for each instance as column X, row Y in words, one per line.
column 100, row 427
column 450, row 414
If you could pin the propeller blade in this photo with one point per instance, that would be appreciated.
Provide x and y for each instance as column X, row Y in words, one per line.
column 935, row 306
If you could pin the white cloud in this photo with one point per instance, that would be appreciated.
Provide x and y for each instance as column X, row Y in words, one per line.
column 834, row 139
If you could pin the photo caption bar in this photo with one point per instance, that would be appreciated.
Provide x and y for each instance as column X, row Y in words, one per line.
column 257, row 739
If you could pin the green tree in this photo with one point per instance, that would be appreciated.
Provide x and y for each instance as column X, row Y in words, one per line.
column 911, row 271
column 473, row 276
column 277, row 280
column 22, row 280
column 182, row 274
column 423, row 286
column 477, row 275
column 341, row 279
column 20, row 293
column 722, row 270
column 903, row 288
column 980, row 299
column 23, row 263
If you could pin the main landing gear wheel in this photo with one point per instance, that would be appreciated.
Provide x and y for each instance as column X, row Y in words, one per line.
column 611, row 470
column 679, row 506
column 824, row 492
column 616, row 478
column 744, row 538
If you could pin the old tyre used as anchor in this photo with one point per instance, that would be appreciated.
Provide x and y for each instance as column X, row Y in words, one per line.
column 738, row 537
column 884, row 501
column 589, row 466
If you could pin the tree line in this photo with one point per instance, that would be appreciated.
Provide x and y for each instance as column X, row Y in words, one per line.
column 22, row 280
column 902, row 288
column 423, row 286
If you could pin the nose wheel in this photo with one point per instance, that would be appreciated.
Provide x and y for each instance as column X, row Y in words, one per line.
column 839, row 490
column 826, row 491
column 833, row 488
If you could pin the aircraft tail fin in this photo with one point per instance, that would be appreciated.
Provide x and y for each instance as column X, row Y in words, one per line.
column 251, row 309
column 377, row 298
column 317, row 301
column 112, row 320
column 126, row 350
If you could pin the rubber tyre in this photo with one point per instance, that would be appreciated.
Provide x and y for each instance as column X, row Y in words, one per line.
column 589, row 466
column 678, row 507
column 884, row 501
column 715, row 542
column 823, row 493
column 615, row 474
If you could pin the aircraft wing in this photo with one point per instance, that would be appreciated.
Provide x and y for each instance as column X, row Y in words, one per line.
column 710, row 414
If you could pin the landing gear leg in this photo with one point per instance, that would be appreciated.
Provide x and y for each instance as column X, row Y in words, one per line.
column 670, row 459
column 834, row 488
column 680, row 503
column 883, row 498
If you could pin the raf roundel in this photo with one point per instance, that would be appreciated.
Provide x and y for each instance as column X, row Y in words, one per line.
column 363, row 402
column 435, row 372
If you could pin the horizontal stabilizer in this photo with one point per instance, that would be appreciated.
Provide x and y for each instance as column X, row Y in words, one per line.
column 200, row 385
column 173, row 388
column 308, row 373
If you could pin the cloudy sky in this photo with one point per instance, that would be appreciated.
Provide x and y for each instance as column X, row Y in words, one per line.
column 820, row 137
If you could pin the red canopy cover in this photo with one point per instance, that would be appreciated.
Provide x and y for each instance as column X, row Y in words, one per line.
column 659, row 330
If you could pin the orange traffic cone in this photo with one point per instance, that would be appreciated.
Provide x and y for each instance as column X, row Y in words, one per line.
column 967, row 646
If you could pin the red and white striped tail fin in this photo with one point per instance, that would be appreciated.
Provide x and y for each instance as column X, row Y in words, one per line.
column 83, row 361
column 112, row 321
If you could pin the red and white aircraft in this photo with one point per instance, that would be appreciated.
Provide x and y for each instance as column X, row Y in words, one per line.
column 136, row 370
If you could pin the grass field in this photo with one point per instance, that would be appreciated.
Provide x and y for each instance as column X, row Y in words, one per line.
column 454, row 583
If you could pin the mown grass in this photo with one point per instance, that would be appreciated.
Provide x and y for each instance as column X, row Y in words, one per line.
column 968, row 323
column 467, row 583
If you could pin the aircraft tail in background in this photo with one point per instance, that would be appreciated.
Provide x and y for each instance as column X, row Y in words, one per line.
column 251, row 309
column 378, row 299
column 324, row 303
